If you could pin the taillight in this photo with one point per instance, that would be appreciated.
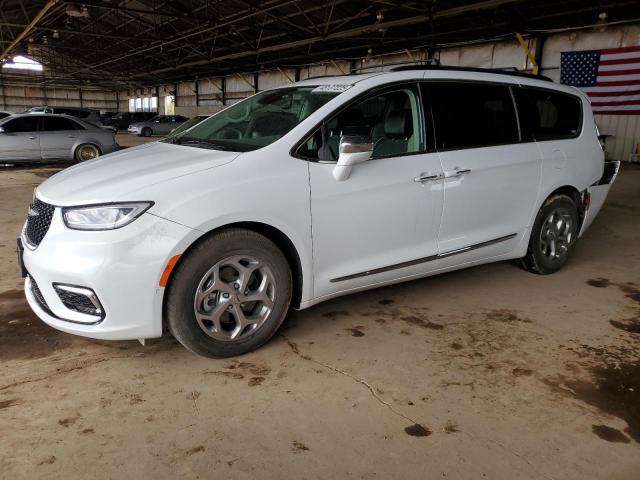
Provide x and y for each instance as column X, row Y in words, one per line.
column 587, row 200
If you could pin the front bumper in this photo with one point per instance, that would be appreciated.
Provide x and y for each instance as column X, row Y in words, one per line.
column 134, row 130
column 123, row 267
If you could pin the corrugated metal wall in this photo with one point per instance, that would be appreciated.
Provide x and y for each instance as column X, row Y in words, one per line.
column 16, row 98
column 624, row 129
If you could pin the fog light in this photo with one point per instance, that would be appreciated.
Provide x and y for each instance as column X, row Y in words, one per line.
column 79, row 299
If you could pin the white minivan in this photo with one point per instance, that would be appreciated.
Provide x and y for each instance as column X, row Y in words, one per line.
column 310, row 191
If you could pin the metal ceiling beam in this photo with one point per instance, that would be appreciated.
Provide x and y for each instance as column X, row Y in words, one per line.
column 352, row 32
column 197, row 32
column 77, row 32
column 154, row 11
column 39, row 16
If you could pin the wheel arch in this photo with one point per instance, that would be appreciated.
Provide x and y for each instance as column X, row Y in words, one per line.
column 573, row 193
column 281, row 240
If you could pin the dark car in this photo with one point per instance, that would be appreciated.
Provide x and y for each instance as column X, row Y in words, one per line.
column 86, row 114
column 105, row 116
column 122, row 120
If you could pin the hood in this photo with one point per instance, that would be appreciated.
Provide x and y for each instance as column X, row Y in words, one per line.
column 136, row 124
column 116, row 176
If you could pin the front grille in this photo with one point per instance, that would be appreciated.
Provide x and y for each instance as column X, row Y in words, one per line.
column 38, row 222
column 38, row 296
column 79, row 299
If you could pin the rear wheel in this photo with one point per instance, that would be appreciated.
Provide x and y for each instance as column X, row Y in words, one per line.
column 229, row 295
column 147, row 132
column 553, row 236
column 85, row 152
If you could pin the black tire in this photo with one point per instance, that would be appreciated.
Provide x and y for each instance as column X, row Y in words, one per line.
column 193, row 268
column 78, row 154
column 536, row 260
column 146, row 132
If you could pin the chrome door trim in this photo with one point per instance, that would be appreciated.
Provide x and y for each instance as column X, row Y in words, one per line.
column 418, row 261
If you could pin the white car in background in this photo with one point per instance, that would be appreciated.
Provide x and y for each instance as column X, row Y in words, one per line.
column 303, row 193
column 158, row 125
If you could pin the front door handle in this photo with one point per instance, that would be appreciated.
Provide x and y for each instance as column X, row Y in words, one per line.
column 427, row 177
column 32, row 138
column 457, row 172
column 71, row 136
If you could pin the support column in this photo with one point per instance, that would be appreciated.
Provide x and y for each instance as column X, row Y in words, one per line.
column 537, row 54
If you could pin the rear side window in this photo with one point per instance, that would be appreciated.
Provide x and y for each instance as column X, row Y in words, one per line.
column 547, row 115
column 470, row 115
column 22, row 124
column 56, row 124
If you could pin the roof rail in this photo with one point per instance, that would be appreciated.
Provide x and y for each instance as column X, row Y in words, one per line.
column 503, row 71
column 407, row 63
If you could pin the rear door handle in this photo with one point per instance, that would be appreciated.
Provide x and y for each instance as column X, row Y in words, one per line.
column 427, row 177
column 457, row 172
column 71, row 136
column 32, row 138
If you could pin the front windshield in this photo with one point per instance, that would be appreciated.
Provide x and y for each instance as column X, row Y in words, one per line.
column 185, row 126
column 257, row 121
column 154, row 118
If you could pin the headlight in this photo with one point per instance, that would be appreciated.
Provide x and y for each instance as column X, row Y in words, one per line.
column 103, row 217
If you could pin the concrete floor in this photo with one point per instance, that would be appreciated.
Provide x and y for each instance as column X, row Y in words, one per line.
column 489, row 372
column 126, row 140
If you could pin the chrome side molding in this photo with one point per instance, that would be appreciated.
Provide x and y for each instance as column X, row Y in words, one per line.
column 430, row 258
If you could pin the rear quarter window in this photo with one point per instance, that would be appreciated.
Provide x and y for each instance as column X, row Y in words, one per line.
column 548, row 115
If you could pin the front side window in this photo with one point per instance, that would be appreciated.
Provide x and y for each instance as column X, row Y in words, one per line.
column 22, row 124
column 391, row 119
column 257, row 121
column 545, row 115
column 468, row 115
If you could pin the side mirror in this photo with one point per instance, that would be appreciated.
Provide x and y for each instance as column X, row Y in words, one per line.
column 353, row 149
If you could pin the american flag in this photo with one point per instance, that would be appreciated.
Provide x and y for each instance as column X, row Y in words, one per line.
column 610, row 77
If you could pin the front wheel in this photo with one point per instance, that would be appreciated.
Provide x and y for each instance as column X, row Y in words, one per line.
column 147, row 132
column 229, row 295
column 85, row 152
column 553, row 237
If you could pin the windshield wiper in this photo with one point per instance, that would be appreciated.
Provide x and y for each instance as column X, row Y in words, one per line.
column 194, row 142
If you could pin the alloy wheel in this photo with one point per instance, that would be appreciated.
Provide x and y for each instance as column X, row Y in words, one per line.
column 88, row 152
column 234, row 298
column 557, row 234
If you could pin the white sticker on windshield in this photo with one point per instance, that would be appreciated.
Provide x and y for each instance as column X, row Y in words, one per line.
column 332, row 88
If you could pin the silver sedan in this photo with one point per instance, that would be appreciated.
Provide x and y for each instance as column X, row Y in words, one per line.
column 42, row 137
column 158, row 125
